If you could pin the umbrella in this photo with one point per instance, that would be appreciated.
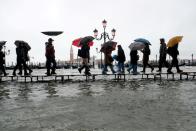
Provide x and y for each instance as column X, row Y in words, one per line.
column 17, row 42
column 115, row 57
column 175, row 40
column 52, row 33
column 143, row 41
column 108, row 45
column 80, row 41
column 2, row 43
column 137, row 46
column 86, row 40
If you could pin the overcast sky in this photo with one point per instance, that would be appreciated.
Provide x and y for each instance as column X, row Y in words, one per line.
column 150, row 19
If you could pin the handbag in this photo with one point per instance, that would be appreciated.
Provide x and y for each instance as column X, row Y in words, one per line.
column 79, row 53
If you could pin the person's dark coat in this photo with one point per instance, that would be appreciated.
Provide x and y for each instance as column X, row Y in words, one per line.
column 2, row 58
column 50, row 52
column 134, row 57
column 173, row 51
column 108, row 56
column 85, row 51
column 146, row 53
column 121, row 55
column 163, row 50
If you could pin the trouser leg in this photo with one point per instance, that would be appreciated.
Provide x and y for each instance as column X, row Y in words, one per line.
column 53, row 65
column 25, row 67
column 2, row 68
column 48, row 66
column 134, row 68
column 112, row 69
column 176, row 63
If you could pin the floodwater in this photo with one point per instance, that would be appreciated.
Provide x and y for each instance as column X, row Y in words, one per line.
column 135, row 105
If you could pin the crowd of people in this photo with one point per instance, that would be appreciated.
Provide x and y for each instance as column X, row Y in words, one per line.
column 84, row 53
column 134, row 57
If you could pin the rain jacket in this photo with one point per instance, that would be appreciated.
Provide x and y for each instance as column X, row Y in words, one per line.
column 121, row 55
column 134, row 57
column 163, row 50
column 146, row 53
column 2, row 57
column 108, row 58
column 85, row 51
column 173, row 51
column 50, row 52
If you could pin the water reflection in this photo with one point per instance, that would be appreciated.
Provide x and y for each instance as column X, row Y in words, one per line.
column 4, row 93
column 51, row 89
column 24, row 90
column 137, row 105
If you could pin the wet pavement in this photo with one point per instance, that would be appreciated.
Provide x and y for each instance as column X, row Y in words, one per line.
column 98, row 106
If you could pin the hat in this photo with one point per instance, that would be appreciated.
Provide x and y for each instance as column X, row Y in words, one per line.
column 162, row 39
column 50, row 39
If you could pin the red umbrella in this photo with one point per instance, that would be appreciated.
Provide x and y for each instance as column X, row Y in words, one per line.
column 76, row 42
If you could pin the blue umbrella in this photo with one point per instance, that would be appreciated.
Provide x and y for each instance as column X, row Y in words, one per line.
column 143, row 41
column 115, row 57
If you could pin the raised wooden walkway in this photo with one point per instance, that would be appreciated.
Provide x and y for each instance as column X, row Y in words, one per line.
column 93, row 77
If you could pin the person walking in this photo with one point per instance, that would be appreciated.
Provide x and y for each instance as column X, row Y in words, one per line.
column 108, row 61
column 21, row 60
column 133, row 62
column 50, row 58
column 162, row 56
column 85, row 54
column 121, row 59
column 146, row 53
column 173, row 52
column 2, row 61
column 26, row 50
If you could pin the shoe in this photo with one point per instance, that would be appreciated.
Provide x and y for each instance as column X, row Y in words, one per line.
column 14, row 74
column 6, row 74
column 79, row 70
column 143, row 71
column 158, row 70
column 128, row 71
column 20, row 73
column 104, row 73
column 88, row 73
column 135, row 73
column 26, row 74
column 179, row 71
column 30, row 71
column 152, row 69
column 169, row 72
column 48, row 74
column 53, row 73
column 114, row 72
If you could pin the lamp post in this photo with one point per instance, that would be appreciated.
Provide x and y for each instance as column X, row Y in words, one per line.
column 192, row 59
column 156, row 58
column 104, row 36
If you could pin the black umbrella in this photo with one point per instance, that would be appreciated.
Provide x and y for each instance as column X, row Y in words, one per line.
column 110, row 45
column 2, row 43
column 86, row 40
column 17, row 42
column 52, row 33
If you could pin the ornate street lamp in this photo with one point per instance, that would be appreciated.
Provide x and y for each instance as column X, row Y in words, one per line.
column 104, row 35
